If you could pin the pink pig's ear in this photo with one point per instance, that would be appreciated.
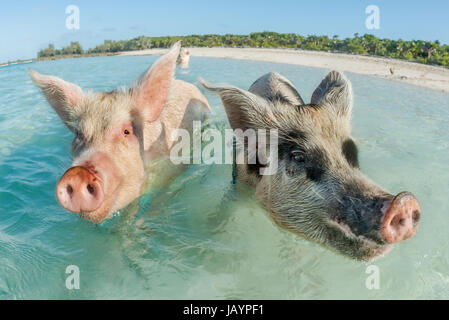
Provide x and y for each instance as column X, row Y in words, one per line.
column 63, row 96
column 154, row 85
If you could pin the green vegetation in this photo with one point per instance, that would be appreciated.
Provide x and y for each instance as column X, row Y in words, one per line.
column 72, row 48
column 416, row 50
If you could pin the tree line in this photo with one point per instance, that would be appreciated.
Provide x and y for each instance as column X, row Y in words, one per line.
column 428, row 52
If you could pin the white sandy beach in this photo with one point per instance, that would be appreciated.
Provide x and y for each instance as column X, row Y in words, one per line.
column 432, row 77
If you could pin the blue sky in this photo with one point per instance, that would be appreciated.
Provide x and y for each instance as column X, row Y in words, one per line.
column 27, row 26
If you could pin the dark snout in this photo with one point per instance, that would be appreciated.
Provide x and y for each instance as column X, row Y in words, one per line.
column 79, row 190
column 401, row 219
column 383, row 219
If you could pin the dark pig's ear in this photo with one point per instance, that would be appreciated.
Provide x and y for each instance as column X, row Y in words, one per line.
column 63, row 96
column 244, row 109
column 273, row 86
column 152, row 88
column 335, row 91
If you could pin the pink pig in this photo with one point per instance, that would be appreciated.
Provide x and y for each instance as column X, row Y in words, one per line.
column 118, row 134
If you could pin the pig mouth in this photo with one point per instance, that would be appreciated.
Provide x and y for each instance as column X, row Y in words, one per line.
column 100, row 214
column 97, row 216
column 344, row 241
column 366, row 239
column 340, row 239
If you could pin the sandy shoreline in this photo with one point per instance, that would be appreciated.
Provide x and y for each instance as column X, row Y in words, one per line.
column 432, row 77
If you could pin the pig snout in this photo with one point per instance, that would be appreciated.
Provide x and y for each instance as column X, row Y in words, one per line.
column 79, row 190
column 401, row 219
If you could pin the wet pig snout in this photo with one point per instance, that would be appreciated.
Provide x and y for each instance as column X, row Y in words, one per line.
column 401, row 219
column 79, row 190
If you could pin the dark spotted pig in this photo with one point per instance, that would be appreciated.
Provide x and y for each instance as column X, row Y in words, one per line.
column 318, row 191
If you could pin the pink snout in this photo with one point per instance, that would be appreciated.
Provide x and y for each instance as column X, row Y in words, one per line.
column 401, row 219
column 79, row 190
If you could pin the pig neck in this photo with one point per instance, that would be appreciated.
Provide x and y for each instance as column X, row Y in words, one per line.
column 185, row 104
column 160, row 173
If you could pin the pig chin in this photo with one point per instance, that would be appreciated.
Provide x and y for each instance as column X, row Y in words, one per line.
column 101, row 214
column 340, row 239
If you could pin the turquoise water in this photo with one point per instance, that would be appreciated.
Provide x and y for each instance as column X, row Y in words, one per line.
column 202, row 238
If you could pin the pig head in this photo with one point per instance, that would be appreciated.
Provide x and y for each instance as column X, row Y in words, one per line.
column 318, row 191
column 184, row 58
column 118, row 133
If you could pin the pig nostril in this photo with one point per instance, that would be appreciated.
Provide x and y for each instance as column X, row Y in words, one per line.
column 398, row 222
column 69, row 190
column 416, row 216
column 90, row 188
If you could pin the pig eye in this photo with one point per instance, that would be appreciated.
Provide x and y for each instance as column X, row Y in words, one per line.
column 298, row 157
column 126, row 132
column 78, row 134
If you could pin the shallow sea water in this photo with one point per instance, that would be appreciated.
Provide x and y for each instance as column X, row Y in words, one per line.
column 202, row 238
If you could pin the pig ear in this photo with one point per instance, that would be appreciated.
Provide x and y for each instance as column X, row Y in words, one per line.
column 154, row 85
column 244, row 109
column 335, row 91
column 273, row 86
column 63, row 96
